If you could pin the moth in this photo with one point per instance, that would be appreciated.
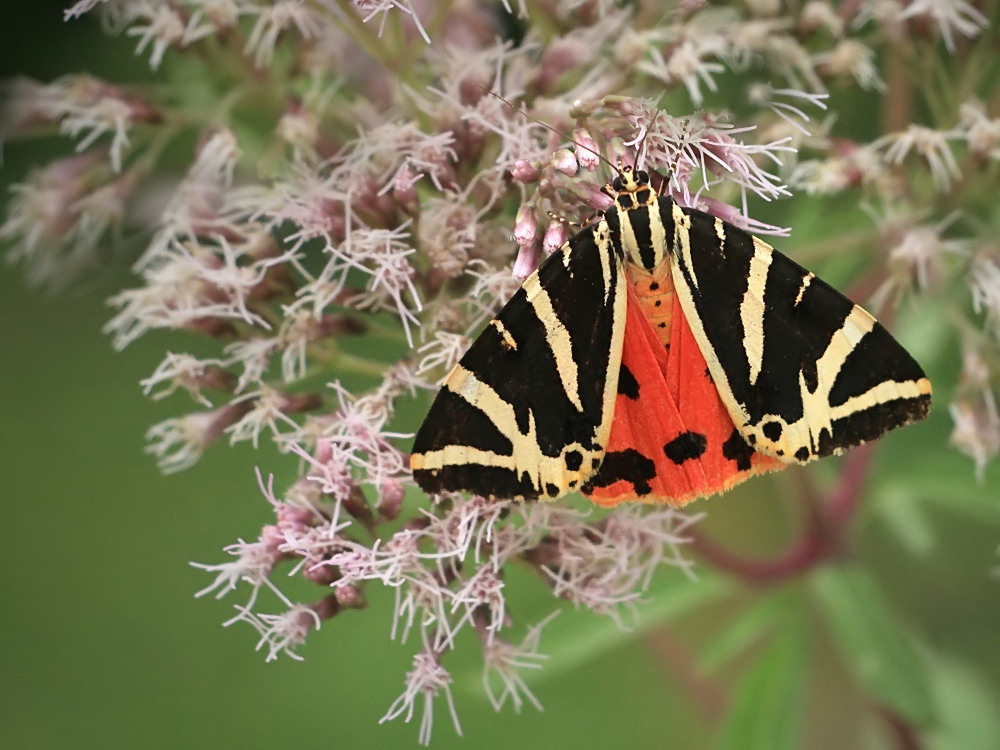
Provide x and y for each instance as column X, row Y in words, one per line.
column 662, row 355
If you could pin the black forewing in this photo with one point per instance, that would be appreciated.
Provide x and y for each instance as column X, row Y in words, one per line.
column 517, row 359
column 801, row 316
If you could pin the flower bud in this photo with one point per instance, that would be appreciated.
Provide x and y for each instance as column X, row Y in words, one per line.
column 565, row 161
column 524, row 172
column 556, row 234
column 587, row 150
column 526, row 262
column 526, row 226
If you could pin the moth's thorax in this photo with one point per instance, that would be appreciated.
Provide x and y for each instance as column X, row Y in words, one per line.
column 655, row 291
column 642, row 196
column 636, row 219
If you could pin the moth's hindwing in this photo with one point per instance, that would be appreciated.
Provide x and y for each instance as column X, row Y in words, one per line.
column 803, row 371
column 527, row 411
column 672, row 439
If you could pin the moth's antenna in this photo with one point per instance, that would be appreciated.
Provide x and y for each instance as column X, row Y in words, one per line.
column 548, row 127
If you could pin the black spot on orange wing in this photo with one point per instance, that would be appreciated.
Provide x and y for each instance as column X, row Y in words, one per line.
column 736, row 449
column 685, row 447
column 627, row 465
column 628, row 386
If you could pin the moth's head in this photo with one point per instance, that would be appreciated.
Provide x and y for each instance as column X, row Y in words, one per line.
column 629, row 180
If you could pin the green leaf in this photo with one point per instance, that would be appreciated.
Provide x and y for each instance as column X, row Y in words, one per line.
column 907, row 519
column 874, row 642
column 749, row 625
column 767, row 712
column 944, row 479
column 571, row 641
column 968, row 706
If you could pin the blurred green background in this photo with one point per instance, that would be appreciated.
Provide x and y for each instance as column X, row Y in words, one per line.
column 104, row 646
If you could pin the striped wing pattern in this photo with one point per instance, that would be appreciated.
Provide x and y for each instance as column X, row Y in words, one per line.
column 802, row 371
column 527, row 411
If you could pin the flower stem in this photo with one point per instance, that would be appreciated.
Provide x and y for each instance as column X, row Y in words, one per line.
column 822, row 539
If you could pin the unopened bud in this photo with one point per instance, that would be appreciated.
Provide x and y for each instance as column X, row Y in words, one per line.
column 526, row 226
column 587, row 151
column 565, row 161
column 555, row 235
column 524, row 172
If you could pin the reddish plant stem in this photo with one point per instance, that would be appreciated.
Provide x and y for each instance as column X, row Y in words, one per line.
column 904, row 736
column 822, row 539
column 808, row 551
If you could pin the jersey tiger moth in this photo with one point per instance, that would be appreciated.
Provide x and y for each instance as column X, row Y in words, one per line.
column 662, row 354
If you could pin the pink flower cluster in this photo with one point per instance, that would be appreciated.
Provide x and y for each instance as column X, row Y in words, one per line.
column 368, row 183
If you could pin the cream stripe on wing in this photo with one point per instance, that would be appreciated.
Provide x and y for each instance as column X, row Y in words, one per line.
column 464, row 383
column 816, row 405
column 805, row 432
column 657, row 235
column 682, row 243
column 720, row 233
column 805, row 285
column 884, row 392
column 619, row 307
column 629, row 243
column 526, row 457
column 508, row 338
column 752, row 308
column 602, row 238
column 557, row 338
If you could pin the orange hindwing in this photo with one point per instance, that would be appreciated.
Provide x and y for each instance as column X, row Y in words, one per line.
column 672, row 439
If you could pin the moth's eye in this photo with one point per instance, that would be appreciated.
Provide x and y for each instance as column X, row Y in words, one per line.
column 642, row 177
column 617, row 184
